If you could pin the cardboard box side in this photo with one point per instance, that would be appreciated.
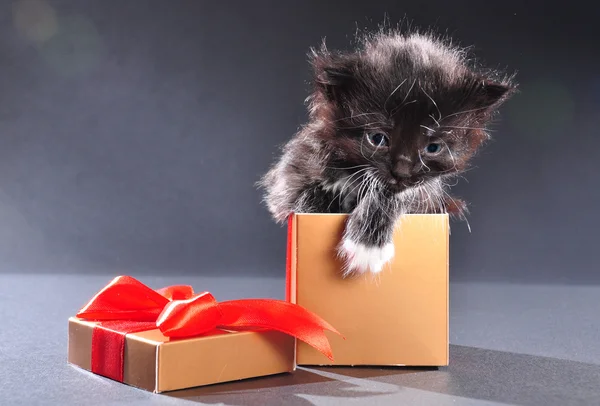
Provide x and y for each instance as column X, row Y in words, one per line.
column 223, row 358
column 447, row 273
column 79, row 344
column 316, row 238
column 416, row 334
column 139, row 362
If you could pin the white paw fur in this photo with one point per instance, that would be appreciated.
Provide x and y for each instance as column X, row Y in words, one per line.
column 360, row 258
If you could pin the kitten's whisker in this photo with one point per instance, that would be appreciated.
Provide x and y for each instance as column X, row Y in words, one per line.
column 423, row 163
column 440, row 198
column 375, row 150
column 436, row 121
column 427, row 128
column 344, row 168
column 457, row 173
column 449, row 152
column 361, row 192
column 354, row 189
column 356, row 175
column 374, row 195
column 368, row 196
column 391, row 94
column 468, row 128
column 462, row 215
column 351, row 192
column 429, row 197
column 432, row 198
column 462, row 177
column 408, row 93
column 362, row 140
column 397, row 109
column 363, row 185
column 415, row 197
column 363, row 154
column 353, row 116
column 369, row 126
column 434, row 103
column 339, row 197
column 463, row 112
column 455, row 183
column 419, row 201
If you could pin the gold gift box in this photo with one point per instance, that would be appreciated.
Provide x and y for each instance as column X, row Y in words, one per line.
column 155, row 363
column 398, row 317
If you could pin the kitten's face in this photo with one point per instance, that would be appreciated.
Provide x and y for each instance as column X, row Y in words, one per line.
column 407, row 107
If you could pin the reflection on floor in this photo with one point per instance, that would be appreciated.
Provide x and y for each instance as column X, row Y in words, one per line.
column 493, row 377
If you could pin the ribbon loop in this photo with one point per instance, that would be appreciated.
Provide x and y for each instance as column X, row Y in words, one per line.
column 124, row 298
column 177, row 292
column 191, row 317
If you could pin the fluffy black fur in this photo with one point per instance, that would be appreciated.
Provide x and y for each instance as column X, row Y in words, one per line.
column 390, row 124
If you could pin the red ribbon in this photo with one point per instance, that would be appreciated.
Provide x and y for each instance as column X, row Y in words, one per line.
column 288, row 259
column 126, row 305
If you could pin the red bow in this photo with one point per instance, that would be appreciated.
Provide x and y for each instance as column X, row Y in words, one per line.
column 126, row 305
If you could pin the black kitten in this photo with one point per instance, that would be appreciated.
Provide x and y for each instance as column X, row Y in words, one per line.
column 390, row 124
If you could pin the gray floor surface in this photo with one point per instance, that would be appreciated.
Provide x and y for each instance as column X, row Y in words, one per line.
column 511, row 345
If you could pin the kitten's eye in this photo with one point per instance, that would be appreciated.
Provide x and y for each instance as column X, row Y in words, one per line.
column 433, row 148
column 378, row 139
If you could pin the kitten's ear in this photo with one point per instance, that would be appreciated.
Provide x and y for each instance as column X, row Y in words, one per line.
column 335, row 75
column 332, row 72
column 491, row 94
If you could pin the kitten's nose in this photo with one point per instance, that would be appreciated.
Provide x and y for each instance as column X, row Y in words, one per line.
column 402, row 169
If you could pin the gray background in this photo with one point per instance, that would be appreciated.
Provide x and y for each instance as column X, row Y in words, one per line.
column 132, row 132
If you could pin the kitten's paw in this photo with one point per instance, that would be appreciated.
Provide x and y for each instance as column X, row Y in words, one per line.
column 360, row 258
